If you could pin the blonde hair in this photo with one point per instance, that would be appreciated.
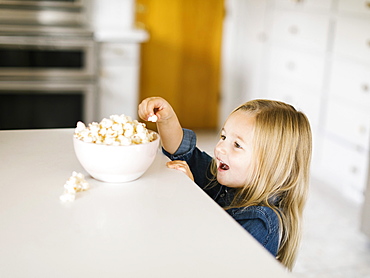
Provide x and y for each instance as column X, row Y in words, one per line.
column 280, row 170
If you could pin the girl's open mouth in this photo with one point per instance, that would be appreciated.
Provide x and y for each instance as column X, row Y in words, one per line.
column 223, row 166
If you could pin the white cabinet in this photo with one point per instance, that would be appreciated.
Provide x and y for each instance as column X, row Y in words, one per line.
column 295, row 71
column 346, row 125
column 303, row 99
column 315, row 55
column 119, row 56
column 301, row 29
column 297, row 67
column 358, row 7
column 352, row 38
column 350, row 83
column 112, row 14
column 310, row 5
column 346, row 167
column 118, row 78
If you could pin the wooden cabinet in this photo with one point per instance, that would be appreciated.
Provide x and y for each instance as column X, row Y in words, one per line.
column 181, row 61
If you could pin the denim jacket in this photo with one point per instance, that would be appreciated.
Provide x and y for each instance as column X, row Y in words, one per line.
column 261, row 222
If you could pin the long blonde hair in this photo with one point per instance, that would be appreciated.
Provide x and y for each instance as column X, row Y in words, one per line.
column 280, row 175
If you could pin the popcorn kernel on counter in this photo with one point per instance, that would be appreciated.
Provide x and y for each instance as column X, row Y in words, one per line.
column 118, row 130
column 76, row 183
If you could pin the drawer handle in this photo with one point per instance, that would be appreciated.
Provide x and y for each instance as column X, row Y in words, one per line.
column 118, row 51
column 291, row 66
column 353, row 169
column 365, row 88
column 362, row 129
column 262, row 37
column 293, row 30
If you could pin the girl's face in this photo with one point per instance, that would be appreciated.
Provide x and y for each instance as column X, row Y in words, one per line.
column 233, row 152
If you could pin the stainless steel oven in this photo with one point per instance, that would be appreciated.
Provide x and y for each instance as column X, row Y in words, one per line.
column 39, row 104
column 43, row 12
column 45, row 57
column 47, row 64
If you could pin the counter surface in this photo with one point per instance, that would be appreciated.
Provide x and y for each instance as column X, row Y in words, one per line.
column 161, row 225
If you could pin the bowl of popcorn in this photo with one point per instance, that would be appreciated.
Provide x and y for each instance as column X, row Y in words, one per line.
column 118, row 149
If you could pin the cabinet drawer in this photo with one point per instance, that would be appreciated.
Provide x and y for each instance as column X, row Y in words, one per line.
column 356, row 6
column 351, row 83
column 301, row 29
column 322, row 5
column 345, row 167
column 348, row 123
column 254, row 20
column 297, row 67
column 119, row 53
column 303, row 100
column 352, row 38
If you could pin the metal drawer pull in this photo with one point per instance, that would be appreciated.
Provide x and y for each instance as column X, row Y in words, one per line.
column 353, row 169
column 262, row 37
column 291, row 66
column 118, row 51
column 362, row 129
column 293, row 30
column 365, row 88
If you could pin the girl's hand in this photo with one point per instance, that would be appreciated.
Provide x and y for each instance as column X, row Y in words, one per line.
column 155, row 106
column 181, row 166
column 168, row 125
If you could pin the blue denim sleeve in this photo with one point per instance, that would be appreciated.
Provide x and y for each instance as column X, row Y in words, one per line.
column 262, row 223
column 186, row 148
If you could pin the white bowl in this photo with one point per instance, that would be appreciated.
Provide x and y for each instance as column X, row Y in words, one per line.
column 116, row 163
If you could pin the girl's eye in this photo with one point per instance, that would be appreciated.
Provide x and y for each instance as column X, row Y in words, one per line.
column 237, row 145
column 223, row 137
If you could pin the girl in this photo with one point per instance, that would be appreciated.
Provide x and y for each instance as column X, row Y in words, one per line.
column 260, row 170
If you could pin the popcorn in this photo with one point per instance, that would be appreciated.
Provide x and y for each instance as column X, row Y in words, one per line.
column 118, row 130
column 153, row 118
column 76, row 183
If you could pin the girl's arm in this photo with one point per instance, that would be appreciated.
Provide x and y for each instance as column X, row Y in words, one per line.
column 168, row 125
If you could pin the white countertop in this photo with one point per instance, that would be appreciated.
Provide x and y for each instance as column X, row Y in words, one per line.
column 125, row 35
column 161, row 225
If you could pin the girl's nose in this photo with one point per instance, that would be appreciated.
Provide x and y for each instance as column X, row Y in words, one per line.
column 220, row 148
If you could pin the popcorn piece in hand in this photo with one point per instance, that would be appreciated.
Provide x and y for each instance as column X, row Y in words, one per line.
column 153, row 118
column 76, row 183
